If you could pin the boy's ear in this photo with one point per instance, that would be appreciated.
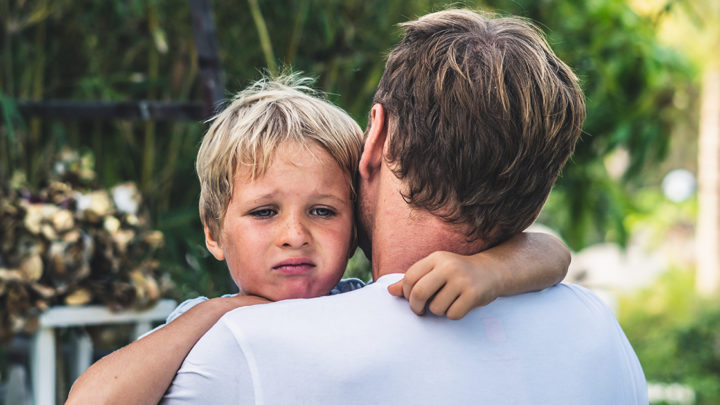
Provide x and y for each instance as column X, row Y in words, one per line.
column 373, row 151
column 213, row 245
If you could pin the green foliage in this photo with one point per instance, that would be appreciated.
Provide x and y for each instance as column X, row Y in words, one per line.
column 676, row 334
column 660, row 216
column 341, row 43
column 359, row 267
column 130, row 50
column 629, row 81
column 100, row 50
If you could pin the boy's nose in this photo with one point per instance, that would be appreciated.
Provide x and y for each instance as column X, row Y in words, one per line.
column 294, row 233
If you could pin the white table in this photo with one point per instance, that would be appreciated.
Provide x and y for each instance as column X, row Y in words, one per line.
column 42, row 351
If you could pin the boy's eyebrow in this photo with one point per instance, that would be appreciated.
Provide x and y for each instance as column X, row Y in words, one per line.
column 271, row 195
column 267, row 196
column 330, row 196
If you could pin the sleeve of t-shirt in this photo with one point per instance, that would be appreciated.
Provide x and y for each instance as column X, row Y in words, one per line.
column 214, row 372
column 347, row 285
column 181, row 309
column 343, row 286
column 635, row 386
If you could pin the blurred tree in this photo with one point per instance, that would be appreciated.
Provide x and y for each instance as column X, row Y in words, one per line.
column 125, row 50
column 675, row 334
column 694, row 26
column 629, row 81
column 704, row 16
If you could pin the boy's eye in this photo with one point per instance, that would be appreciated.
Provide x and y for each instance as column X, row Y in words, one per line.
column 322, row 212
column 263, row 213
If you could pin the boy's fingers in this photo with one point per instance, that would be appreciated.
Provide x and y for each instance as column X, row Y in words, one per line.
column 424, row 289
column 443, row 300
column 396, row 289
column 460, row 307
column 415, row 273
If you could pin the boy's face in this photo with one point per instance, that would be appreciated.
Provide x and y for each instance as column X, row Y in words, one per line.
column 288, row 234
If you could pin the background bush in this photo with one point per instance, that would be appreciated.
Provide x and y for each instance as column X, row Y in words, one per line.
column 129, row 50
column 676, row 334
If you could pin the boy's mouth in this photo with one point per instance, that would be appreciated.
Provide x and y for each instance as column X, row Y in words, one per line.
column 293, row 266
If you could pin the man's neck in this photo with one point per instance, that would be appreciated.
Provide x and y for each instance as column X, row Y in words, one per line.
column 402, row 235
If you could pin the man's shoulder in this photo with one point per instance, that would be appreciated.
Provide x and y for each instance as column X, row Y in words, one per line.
column 331, row 307
column 538, row 338
column 368, row 308
column 560, row 293
column 558, row 300
column 570, row 302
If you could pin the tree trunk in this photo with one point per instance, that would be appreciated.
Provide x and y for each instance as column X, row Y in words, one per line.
column 708, row 221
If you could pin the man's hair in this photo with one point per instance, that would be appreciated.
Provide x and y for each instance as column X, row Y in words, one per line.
column 246, row 134
column 482, row 115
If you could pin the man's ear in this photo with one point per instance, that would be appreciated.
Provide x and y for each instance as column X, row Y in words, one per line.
column 213, row 245
column 372, row 155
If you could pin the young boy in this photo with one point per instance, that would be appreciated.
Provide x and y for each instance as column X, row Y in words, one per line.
column 277, row 170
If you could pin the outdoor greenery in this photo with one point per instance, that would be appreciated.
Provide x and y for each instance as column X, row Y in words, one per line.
column 638, row 93
column 676, row 334
column 131, row 50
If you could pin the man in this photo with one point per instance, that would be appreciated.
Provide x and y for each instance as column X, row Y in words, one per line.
column 473, row 119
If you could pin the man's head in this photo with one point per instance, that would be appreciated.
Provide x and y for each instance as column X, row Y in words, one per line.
column 477, row 117
column 276, row 170
column 481, row 116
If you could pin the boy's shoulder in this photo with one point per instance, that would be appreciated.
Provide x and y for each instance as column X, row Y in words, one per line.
column 343, row 286
column 187, row 304
column 347, row 285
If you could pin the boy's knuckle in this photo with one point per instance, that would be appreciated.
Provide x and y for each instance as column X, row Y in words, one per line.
column 420, row 293
column 448, row 266
column 463, row 281
column 441, row 257
column 436, row 308
column 475, row 291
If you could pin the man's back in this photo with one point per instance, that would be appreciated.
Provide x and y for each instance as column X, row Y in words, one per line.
column 560, row 345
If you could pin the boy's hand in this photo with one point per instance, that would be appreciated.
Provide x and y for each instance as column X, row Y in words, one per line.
column 449, row 284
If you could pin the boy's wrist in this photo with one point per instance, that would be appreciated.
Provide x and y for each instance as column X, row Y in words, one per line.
column 496, row 267
column 217, row 306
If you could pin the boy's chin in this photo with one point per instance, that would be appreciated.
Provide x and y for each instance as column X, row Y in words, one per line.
column 300, row 289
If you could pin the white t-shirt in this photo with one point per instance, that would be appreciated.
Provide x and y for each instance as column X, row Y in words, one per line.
column 557, row 346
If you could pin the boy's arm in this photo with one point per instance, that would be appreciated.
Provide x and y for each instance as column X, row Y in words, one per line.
column 141, row 372
column 451, row 284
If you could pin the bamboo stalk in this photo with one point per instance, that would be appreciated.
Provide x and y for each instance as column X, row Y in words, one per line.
column 264, row 36
column 38, row 86
column 7, row 85
column 332, row 74
column 297, row 31
column 149, row 143
column 178, row 133
column 191, row 75
column 368, row 90
column 4, row 144
column 177, row 138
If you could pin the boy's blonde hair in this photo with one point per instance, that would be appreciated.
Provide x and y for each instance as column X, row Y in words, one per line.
column 247, row 133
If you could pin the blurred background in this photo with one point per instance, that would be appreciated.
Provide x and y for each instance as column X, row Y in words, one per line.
column 638, row 204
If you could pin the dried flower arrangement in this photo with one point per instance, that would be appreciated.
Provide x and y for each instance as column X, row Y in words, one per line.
column 74, row 243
